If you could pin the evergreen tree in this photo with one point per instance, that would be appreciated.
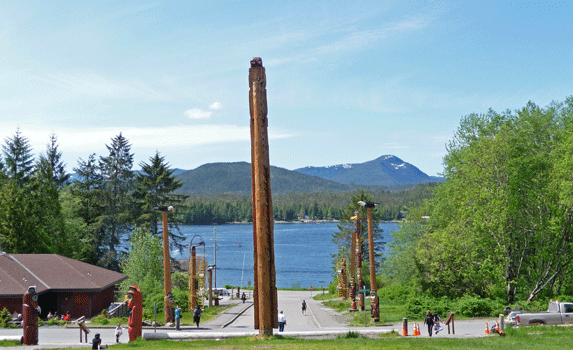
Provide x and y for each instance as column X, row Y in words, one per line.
column 19, row 162
column 116, row 193
column 50, row 165
column 155, row 186
column 86, row 193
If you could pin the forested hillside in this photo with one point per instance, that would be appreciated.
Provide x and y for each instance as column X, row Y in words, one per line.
column 501, row 225
column 224, row 208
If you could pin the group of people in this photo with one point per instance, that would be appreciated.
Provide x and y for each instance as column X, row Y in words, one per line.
column 433, row 323
column 67, row 317
column 196, row 316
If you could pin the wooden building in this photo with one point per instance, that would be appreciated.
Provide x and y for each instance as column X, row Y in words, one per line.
column 63, row 284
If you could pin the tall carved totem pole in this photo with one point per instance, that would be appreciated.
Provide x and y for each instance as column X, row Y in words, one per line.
column 265, row 292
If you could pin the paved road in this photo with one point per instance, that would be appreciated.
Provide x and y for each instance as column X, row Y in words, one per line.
column 319, row 321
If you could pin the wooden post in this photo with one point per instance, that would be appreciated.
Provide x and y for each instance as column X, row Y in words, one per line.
column 168, row 297
column 210, row 287
column 193, row 287
column 450, row 320
column 360, row 281
column 266, row 314
column 373, row 289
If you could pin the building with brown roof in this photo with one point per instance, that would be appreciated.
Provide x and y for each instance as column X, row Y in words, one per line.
column 63, row 284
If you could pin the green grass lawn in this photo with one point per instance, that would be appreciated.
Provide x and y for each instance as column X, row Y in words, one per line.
column 390, row 311
column 541, row 337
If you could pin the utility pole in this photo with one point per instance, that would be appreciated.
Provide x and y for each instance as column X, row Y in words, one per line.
column 265, row 293
column 373, row 289
column 168, row 296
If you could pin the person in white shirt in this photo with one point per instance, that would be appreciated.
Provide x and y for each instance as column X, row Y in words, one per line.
column 282, row 321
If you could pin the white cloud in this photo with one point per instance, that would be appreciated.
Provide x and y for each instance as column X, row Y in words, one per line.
column 93, row 140
column 215, row 106
column 196, row 113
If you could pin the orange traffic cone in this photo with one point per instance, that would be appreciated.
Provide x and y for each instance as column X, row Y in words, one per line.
column 486, row 328
column 417, row 329
column 497, row 326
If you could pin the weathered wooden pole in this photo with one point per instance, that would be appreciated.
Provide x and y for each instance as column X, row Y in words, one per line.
column 353, row 288
column 373, row 289
column 210, row 273
column 265, row 294
column 168, row 296
column 193, row 286
column 359, row 279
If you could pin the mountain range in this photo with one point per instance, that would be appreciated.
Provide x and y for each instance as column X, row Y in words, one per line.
column 381, row 173
column 387, row 170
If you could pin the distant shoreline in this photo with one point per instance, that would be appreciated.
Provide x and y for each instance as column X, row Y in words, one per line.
column 304, row 221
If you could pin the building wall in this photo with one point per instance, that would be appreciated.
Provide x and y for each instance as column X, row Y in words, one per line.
column 79, row 304
column 82, row 304
column 12, row 304
column 101, row 300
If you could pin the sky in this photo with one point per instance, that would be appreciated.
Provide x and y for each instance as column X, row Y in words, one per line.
column 347, row 81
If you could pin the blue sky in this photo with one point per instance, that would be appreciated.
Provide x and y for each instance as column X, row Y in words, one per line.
column 347, row 81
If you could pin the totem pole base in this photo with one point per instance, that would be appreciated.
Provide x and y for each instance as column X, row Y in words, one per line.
column 353, row 306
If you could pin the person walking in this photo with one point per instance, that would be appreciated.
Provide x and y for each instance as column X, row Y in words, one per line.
column 429, row 320
column 282, row 321
column 118, row 332
column 178, row 318
column 197, row 315
column 244, row 297
column 304, row 308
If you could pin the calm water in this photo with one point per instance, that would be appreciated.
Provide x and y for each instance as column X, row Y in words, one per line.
column 302, row 252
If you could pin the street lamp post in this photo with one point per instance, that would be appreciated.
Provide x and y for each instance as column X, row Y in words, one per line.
column 373, row 289
column 168, row 296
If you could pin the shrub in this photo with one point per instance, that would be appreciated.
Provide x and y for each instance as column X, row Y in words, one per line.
column 5, row 316
column 99, row 319
column 473, row 306
column 349, row 335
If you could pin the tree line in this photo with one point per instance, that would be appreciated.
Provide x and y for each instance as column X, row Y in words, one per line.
column 226, row 208
column 501, row 225
column 89, row 218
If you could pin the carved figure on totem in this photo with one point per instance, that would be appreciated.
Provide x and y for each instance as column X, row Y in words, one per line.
column 135, row 305
column 30, row 312
column 352, row 288
column 169, row 310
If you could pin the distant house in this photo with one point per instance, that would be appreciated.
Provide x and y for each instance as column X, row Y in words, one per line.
column 63, row 284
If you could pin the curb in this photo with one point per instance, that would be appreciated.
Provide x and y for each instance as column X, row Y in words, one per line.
column 237, row 315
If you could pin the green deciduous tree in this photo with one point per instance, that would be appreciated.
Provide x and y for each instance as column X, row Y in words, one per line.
column 144, row 266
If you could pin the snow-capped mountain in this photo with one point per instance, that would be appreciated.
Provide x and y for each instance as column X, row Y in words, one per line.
column 387, row 170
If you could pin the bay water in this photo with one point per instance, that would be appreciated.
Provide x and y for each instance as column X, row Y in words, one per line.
column 303, row 252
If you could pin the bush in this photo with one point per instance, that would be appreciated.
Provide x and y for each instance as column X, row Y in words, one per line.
column 5, row 316
column 55, row 322
column 395, row 292
column 100, row 319
column 473, row 306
